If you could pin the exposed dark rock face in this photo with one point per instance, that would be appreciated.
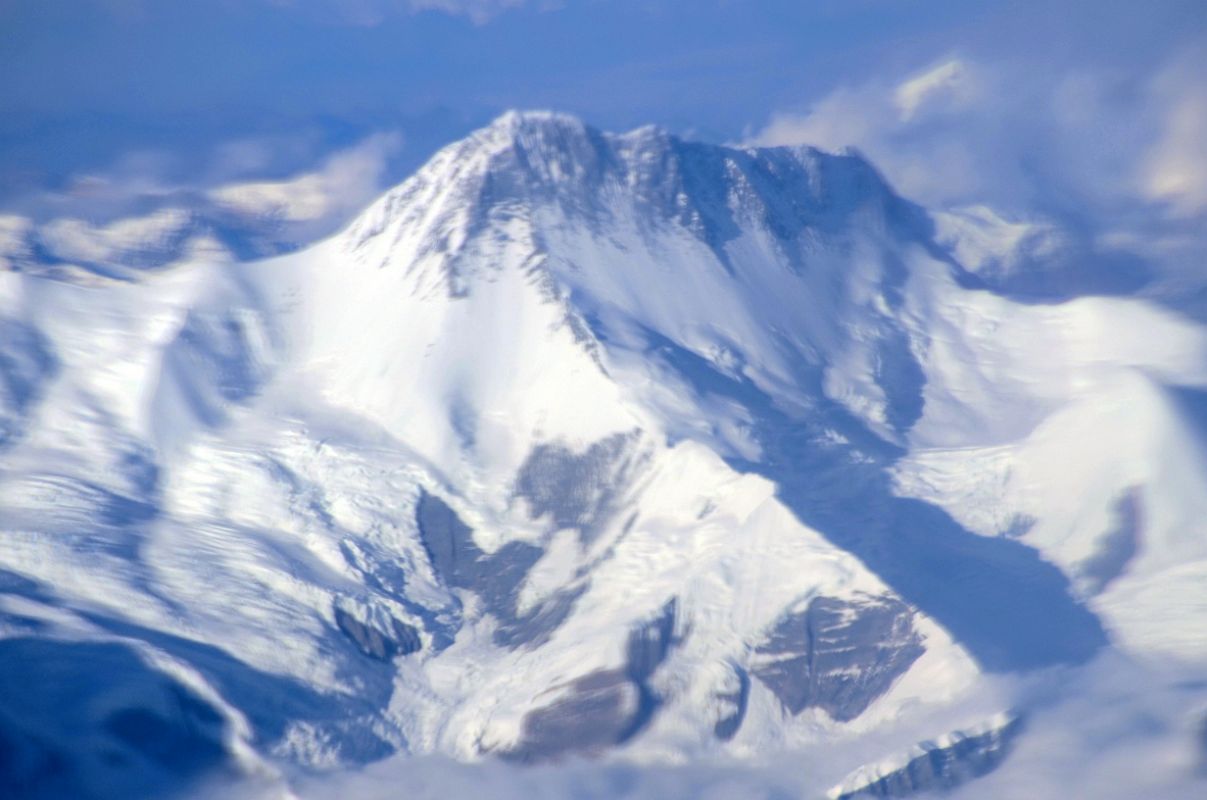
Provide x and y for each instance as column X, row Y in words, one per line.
column 1117, row 548
column 598, row 711
column 941, row 767
column 220, row 359
column 374, row 643
column 223, row 345
column 573, row 489
column 606, row 707
column 383, row 572
column 536, row 625
column 26, row 363
column 651, row 642
column 900, row 375
column 460, row 563
column 734, row 703
column 838, row 655
column 496, row 578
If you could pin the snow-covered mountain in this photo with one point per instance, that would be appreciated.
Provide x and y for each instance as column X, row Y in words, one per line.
column 581, row 444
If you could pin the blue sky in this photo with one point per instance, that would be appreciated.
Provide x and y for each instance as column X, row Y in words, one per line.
column 155, row 92
column 716, row 65
column 711, row 63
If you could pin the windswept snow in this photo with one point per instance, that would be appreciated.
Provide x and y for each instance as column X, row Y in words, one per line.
column 582, row 443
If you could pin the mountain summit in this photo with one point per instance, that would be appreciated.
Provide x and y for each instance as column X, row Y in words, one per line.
column 581, row 444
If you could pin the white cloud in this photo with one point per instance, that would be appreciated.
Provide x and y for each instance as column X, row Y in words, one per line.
column 300, row 199
column 949, row 84
column 347, row 181
column 847, row 116
column 1175, row 167
column 14, row 239
column 134, row 214
column 76, row 240
column 479, row 11
column 373, row 12
column 1020, row 136
column 1115, row 156
column 931, row 133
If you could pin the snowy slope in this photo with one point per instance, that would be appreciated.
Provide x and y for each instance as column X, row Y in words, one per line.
column 1078, row 429
column 583, row 444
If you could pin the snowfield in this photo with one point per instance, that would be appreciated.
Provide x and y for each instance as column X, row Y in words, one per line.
column 590, row 446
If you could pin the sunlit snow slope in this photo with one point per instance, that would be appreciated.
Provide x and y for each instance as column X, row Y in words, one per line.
column 578, row 444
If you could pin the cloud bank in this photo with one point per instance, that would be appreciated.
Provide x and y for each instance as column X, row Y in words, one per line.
column 136, row 213
column 1020, row 137
column 344, row 183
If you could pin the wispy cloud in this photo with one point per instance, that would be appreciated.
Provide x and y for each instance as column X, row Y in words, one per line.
column 344, row 183
column 374, row 12
column 1175, row 166
column 479, row 11
column 1113, row 156
column 1021, row 136
column 138, row 212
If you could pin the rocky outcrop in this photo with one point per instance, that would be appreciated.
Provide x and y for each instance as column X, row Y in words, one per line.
column 650, row 643
column 574, row 490
column 495, row 577
column 946, row 763
column 26, row 363
column 1117, row 547
column 838, row 655
column 597, row 711
column 401, row 640
column 733, row 704
column 606, row 707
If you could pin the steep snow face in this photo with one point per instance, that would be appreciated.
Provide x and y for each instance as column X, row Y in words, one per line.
column 783, row 265
column 578, row 443
column 1077, row 429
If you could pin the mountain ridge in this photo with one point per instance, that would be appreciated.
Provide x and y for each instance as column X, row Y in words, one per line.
column 574, row 444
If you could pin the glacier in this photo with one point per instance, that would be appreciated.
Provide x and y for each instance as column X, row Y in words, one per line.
column 590, row 448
